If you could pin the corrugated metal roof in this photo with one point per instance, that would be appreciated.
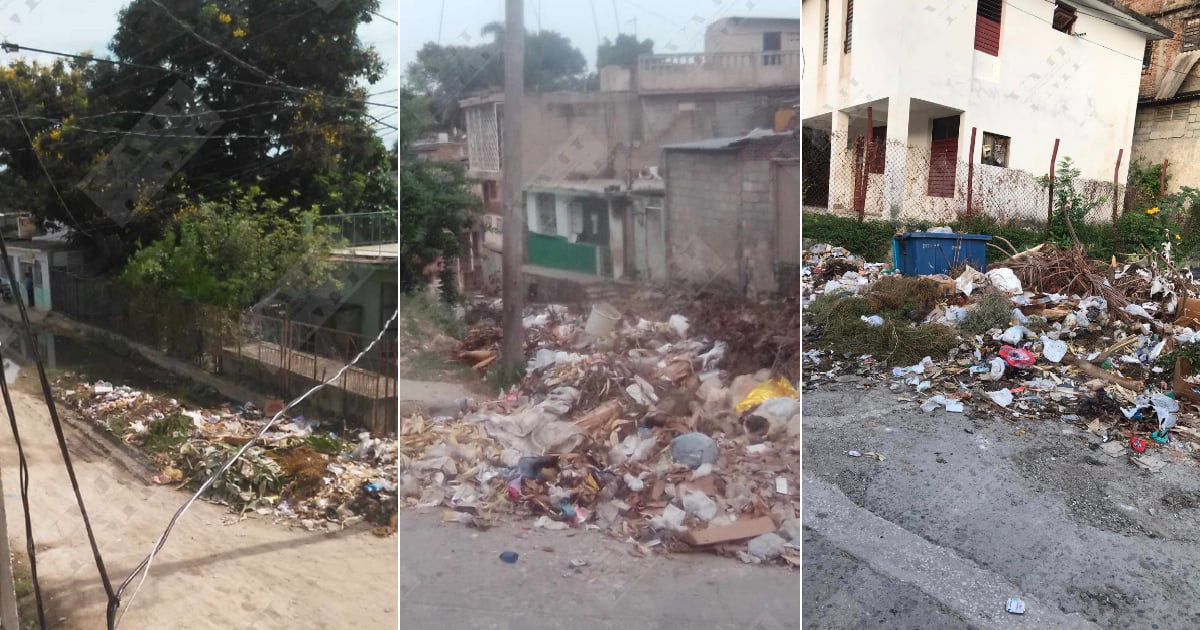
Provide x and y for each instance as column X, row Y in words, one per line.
column 725, row 144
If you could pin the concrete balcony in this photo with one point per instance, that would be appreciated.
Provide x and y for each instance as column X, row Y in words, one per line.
column 720, row 72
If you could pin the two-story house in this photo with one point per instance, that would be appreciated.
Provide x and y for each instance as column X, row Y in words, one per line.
column 594, row 195
column 1020, row 73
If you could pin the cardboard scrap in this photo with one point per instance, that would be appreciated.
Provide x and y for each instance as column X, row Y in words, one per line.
column 739, row 530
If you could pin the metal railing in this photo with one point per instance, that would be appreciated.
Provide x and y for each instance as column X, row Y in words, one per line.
column 718, row 71
column 365, row 228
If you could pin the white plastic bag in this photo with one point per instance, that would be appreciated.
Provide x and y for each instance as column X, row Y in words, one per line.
column 1053, row 349
column 1005, row 280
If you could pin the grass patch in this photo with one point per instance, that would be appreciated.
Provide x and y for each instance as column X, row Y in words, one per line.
column 418, row 308
column 899, row 297
column 433, row 366
column 896, row 342
column 327, row 444
column 993, row 311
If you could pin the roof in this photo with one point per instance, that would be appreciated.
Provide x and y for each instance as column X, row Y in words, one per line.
column 725, row 144
column 1128, row 18
column 27, row 245
column 596, row 186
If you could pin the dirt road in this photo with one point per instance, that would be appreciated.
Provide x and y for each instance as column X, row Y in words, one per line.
column 250, row 574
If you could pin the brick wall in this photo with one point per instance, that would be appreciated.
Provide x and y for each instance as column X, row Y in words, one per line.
column 1169, row 13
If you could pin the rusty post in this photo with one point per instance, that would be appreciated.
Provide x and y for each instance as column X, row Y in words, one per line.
column 1162, row 179
column 1050, row 205
column 970, row 171
column 1116, row 186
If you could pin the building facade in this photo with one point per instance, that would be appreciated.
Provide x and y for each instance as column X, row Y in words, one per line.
column 1167, row 126
column 1021, row 74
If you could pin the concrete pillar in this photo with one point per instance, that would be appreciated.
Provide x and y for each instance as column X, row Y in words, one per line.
column 895, row 166
column 841, row 164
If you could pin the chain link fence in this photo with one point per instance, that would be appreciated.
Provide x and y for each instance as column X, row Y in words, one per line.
column 889, row 180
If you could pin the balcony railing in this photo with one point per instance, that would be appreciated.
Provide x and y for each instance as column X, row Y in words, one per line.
column 718, row 71
column 364, row 228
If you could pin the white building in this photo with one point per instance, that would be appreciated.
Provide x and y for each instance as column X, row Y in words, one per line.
column 1021, row 73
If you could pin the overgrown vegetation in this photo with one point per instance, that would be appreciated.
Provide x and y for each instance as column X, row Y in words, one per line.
column 897, row 341
column 1070, row 206
column 167, row 433
column 994, row 310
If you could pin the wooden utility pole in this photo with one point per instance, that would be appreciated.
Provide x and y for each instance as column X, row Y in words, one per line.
column 512, row 352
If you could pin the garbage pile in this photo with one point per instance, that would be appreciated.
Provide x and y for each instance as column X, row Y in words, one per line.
column 1045, row 334
column 643, row 433
column 295, row 473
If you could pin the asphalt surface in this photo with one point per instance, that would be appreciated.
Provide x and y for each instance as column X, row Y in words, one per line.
column 966, row 510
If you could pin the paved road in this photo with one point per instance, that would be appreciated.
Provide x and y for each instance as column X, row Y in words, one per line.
column 964, row 513
column 451, row 577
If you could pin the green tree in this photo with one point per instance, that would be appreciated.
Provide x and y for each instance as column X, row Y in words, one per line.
column 228, row 253
column 437, row 206
column 623, row 51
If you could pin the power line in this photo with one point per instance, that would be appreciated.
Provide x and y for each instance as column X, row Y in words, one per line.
column 23, row 474
column 42, row 164
column 144, row 567
column 219, row 48
column 11, row 47
column 384, row 17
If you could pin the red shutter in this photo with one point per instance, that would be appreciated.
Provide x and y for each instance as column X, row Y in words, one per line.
column 987, row 36
column 943, row 162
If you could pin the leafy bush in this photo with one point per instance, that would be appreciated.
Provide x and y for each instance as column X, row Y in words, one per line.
column 1068, row 203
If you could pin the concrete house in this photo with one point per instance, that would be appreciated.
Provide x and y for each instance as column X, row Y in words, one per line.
column 593, row 193
column 1021, row 73
column 734, row 205
column 1168, row 110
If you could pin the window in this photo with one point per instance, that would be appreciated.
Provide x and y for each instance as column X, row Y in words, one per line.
column 995, row 150
column 987, row 26
column 546, row 214
column 772, row 43
column 1147, row 54
column 1169, row 114
column 825, row 36
column 849, row 23
column 1191, row 34
column 1064, row 18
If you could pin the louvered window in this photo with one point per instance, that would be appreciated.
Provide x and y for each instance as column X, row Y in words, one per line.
column 987, row 26
column 825, row 36
column 849, row 23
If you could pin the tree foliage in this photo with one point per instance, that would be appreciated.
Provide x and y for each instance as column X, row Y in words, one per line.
column 446, row 74
column 623, row 51
column 284, row 76
column 229, row 253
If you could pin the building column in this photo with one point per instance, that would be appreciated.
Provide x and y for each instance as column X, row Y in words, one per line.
column 895, row 166
column 841, row 164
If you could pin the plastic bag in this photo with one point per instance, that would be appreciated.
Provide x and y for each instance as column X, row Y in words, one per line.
column 1005, row 280
column 772, row 389
column 1053, row 349
column 1017, row 357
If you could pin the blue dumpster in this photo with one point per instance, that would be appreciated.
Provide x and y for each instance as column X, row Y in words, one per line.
column 933, row 253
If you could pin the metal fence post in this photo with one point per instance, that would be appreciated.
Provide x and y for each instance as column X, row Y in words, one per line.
column 1116, row 186
column 970, row 171
column 1050, row 205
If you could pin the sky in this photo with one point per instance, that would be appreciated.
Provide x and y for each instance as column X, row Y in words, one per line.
column 75, row 26
column 674, row 25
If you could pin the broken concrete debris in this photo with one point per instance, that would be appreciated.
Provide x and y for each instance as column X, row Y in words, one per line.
column 1045, row 334
column 670, row 431
column 296, row 473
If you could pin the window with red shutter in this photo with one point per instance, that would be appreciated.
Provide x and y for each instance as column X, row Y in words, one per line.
column 878, row 149
column 849, row 23
column 825, row 36
column 987, row 26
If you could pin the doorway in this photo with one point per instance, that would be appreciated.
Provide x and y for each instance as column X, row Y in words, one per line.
column 943, row 157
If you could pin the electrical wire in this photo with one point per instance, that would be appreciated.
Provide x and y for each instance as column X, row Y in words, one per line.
column 383, row 17
column 23, row 479
column 220, row 49
column 144, row 567
column 11, row 47
column 57, row 423
column 42, row 164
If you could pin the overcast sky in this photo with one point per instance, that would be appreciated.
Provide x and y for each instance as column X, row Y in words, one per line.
column 674, row 25
column 74, row 26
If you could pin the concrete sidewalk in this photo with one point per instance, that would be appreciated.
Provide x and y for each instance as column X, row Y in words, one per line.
column 452, row 577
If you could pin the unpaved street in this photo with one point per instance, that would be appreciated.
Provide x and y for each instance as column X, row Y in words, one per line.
column 250, row 574
column 964, row 513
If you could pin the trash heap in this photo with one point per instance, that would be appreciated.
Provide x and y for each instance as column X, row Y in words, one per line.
column 642, row 433
column 1045, row 334
column 295, row 473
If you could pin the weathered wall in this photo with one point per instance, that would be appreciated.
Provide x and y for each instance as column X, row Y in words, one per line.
column 682, row 118
column 1176, row 139
column 702, row 197
column 735, row 35
column 570, row 134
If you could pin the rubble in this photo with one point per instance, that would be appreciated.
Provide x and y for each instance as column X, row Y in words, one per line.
column 648, row 433
column 295, row 473
column 1046, row 334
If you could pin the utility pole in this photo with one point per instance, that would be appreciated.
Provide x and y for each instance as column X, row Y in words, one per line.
column 512, row 352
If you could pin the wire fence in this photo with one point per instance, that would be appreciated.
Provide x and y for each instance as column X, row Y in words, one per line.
column 891, row 180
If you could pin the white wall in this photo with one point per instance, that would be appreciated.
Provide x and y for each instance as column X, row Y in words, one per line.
column 1044, row 84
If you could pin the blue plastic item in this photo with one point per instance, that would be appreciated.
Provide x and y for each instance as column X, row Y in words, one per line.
column 931, row 253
